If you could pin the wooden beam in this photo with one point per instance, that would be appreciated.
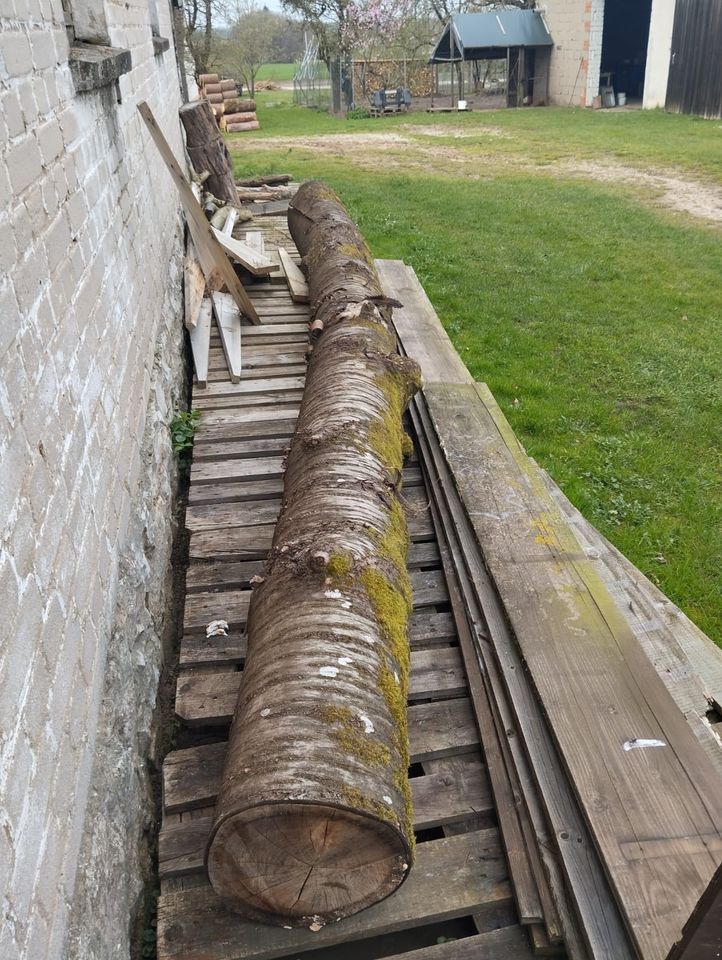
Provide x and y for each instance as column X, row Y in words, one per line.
column 200, row 339
column 228, row 321
column 297, row 285
column 194, row 285
column 250, row 259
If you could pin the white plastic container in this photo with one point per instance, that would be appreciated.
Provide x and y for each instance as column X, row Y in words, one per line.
column 621, row 99
column 462, row 105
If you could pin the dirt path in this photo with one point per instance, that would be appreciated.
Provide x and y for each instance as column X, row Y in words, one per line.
column 408, row 150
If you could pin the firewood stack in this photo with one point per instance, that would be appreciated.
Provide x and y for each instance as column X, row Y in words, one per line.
column 239, row 115
column 233, row 114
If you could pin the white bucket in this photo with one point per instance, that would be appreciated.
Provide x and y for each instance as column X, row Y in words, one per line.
column 621, row 99
column 462, row 105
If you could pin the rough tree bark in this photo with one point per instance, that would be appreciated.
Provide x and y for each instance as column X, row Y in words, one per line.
column 207, row 149
column 313, row 820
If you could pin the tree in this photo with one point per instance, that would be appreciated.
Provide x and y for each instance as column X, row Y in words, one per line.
column 198, row 23
column 252, row 41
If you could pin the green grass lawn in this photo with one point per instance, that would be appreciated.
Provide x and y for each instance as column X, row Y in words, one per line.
column 276, row 71
column 595, row 320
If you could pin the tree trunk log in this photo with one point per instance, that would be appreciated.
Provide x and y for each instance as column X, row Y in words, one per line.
column 271, row 180
column 239, row 106
column 241, row 127
column 313, row 819
column 207, row 149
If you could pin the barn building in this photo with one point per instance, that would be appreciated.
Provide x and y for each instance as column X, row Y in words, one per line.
column 660, row 53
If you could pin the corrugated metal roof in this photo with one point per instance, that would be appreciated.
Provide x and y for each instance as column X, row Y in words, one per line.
column 495, row 29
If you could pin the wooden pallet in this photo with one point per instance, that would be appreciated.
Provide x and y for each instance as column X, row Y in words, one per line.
column 236, row 483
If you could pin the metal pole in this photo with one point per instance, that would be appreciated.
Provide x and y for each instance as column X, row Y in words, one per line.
column 451, row 58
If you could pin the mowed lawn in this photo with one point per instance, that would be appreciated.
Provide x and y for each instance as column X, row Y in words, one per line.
column 594, row 316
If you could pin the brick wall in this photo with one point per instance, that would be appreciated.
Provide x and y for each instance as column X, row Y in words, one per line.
column 576, row 28
column 89, row 247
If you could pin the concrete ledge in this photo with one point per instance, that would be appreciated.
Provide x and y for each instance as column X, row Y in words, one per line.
column 94, row 66
column 160, row 45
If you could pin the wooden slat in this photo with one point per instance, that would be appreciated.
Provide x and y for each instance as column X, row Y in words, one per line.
column 194, row 285
column 437, row 800
column 200, row 337
column 583, row 871
column 508, row 943
column 209, row 698
column 253, row 261
column 580, row 650
column 297, row 284
column 453, row 877
column 446, row 728
column 418, row 326
column 213, row 259
column 228, row 320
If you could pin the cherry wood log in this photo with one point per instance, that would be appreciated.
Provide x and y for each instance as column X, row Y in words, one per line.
column 240, row 127
column 236, row 105
column 240, row 117
column 207, row 149
column 214, row 97
column 313, row 818
column 205, row 78
column 270, row 180
column 229, row 85
column 212, row 88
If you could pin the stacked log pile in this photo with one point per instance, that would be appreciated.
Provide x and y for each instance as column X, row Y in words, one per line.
column 233, row 114
column 239, row 115
column 318, row 752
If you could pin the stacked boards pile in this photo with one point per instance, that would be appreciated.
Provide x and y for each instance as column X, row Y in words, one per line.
column 606, row 777
column 232, row 113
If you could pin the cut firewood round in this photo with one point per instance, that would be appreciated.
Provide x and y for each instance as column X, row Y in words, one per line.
column 313, row 818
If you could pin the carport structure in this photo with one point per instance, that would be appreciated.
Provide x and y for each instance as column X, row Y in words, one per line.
column 521, row 37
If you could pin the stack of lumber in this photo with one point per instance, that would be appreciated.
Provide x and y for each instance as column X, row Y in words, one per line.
column 239, row 115
column 609, row 797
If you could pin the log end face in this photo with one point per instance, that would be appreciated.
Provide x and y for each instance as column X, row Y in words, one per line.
column 304, row 864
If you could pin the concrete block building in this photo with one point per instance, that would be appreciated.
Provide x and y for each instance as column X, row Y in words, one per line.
column 91, row 369
column 659, row 53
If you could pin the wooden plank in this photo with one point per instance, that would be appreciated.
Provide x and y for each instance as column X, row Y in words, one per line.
column 194, row 285
column 255, row 385
column 190, row 776
column 250, row 259
column 228, row 320
column 418, row 326
column 244, row 430
column 508, row 943
column 702, row 933
column 583, row 870
column 688, row 662
column 213, row 260
column 297, row 284
column 209, row 698
column 453, row 877
column 216, row 471
column 580, row 650
column 254, row 239
column 200, row 336
column 279, row 399
column 436, row 800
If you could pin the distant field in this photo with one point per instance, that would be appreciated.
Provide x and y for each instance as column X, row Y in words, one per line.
column 276, row 71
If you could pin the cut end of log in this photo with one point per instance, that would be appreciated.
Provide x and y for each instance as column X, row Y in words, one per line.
column 304, row 864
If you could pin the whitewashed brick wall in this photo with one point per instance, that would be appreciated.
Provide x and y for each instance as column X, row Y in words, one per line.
column 576, row 27
column 89, row 242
